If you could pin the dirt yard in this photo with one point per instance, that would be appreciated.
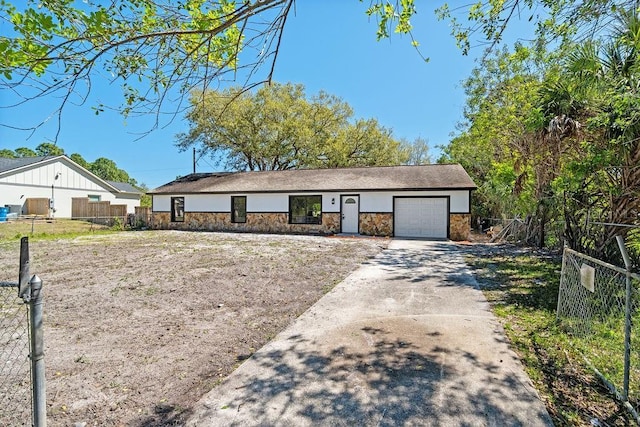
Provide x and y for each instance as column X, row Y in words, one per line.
column 139, row 325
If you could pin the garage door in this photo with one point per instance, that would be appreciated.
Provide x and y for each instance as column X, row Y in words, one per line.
column 424, row 217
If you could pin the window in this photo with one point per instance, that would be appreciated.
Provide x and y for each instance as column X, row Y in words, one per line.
column 177, row 209
column 305, row 209
column 94, row 197
column 238, row 208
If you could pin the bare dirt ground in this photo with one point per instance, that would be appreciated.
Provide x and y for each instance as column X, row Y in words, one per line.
column 139, row 325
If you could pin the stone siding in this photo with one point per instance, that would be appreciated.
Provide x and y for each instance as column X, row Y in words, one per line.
column 370, row 224
column 256, row 222
column 331, row 222
column 376, row 224
column 160, row 220
column 459, row 226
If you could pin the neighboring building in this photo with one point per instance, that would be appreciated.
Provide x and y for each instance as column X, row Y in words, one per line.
column 430, row 201
column 47, row 185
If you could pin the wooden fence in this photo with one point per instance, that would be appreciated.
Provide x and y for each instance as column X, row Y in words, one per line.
column 82, row 208
column 36, row 206
column 143, row 216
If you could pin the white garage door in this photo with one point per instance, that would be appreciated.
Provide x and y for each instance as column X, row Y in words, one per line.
column 421, row 217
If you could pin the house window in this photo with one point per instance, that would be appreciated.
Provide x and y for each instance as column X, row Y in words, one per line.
column 238, row 208
column 177, row 209
column 94, row 197
column 305, row 209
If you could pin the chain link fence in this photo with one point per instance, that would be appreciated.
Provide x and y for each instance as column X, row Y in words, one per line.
column 599, row 307
column 22, row 376
column 15, row 372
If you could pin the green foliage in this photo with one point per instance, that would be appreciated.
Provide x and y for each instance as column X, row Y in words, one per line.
column 49, row 149
column 79, row 160
column 633, row 247
column 277, row 127
column 556, row 21
column 145, row 200
column 393, row 16
column 108, row 170
column 117, row 224
column 500, row 144
column 44, row 149
column 25, row 152
column 566, row 127
column 157, row 48
column 8, row 154
column 417, row 151
column 157, row 42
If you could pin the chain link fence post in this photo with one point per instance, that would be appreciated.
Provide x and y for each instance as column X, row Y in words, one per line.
column 627, row 318
column 21, row 339
column 37, row 354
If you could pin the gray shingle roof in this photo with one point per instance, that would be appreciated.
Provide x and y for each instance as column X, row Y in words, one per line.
column 426, row 177
column 7, row 164
column 125, row 187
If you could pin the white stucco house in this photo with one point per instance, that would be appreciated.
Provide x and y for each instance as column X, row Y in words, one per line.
column 428, row 201
column 56, row 180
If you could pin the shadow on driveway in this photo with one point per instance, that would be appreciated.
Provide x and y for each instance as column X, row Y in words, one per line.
column 407, row 339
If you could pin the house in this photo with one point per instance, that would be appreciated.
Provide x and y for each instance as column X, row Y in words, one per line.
column 429, row 201
column 52, row 185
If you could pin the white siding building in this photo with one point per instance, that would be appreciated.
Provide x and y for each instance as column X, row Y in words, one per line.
column 58, row 179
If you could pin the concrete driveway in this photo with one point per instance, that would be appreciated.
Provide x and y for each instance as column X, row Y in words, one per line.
column 407, row 339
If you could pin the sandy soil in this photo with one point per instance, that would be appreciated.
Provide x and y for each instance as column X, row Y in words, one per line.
column 139, row 325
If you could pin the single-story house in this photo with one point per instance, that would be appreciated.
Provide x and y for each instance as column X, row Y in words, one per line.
column 48, row 186
column 427, row 201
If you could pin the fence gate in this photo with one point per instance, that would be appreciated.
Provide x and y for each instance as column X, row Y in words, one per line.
column 599, row 307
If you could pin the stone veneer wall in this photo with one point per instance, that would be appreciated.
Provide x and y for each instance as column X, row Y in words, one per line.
column 376, row 224
column 459, row 226
column 371, row 224
column 256, row 222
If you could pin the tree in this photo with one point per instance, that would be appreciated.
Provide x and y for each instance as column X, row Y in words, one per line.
column 25, row 152
column 161, row 50
column 558, row 140
column 109, row 171
column 602, row 80
column 150, row 47
column 79, row 160
column 49, row 149
column 7, row 154
column 418, row 151
column 515, row 148
column 277, row 128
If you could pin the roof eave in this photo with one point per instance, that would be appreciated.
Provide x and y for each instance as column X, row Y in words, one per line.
column 318, row 190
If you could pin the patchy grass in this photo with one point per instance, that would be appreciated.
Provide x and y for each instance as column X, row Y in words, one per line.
column 522, row 288
column 43, row 229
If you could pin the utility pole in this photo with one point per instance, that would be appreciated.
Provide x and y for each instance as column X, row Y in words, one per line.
column 194, row 159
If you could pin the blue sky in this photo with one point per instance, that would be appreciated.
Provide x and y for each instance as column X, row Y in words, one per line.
column 328, row 45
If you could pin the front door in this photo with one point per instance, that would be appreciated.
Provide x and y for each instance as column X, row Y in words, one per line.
column 350, row 212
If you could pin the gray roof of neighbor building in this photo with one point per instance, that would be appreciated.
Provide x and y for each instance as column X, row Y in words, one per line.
column 424, row 177
column 125, row 187
column 7, row 164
